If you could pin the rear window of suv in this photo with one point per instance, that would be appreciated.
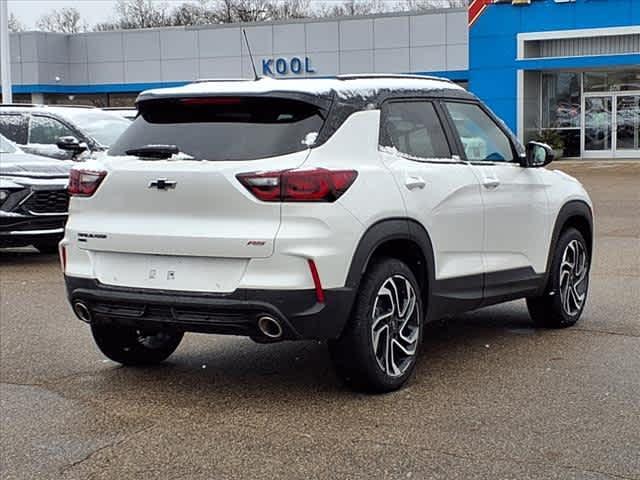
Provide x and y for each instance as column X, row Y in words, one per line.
column 223, row 128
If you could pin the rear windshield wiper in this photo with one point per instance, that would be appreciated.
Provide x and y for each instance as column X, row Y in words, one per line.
column 154, row 151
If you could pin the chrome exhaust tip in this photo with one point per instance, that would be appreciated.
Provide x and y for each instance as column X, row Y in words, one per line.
column 82, row 311
column 270, row 327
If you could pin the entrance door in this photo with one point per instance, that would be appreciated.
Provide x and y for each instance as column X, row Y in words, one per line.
column 598, row 126
column 611, row 125
column 627, row 126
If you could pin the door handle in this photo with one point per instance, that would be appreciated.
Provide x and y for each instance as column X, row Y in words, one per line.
column 412, row 182
column 491, row 183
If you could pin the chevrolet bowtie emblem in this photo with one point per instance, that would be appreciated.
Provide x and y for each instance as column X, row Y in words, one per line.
column 162, row 184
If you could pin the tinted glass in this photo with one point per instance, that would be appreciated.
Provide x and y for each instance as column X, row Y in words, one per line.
column 14, row 127
column 223, row 128
column 104, row 127
column 480, row 136
column 413, row 128
column 47, row 130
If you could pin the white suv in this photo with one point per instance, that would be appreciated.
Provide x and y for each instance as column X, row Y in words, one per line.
column 352, row 209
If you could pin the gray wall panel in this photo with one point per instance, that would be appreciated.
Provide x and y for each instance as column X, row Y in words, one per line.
column 51, row 72
column 78, row 73
column 179, row 70
column 391, row 32
column 16, row 73
column 356, row 61
column 30, row 73
column 229, row 67
column 428, row 30
column 356, row 34
column 289, row 38
column 428, row 59
column 178, row 44
column 392, row 60
column 260, row 39
column 457, row 31
column 218, row 42
column 141, row 45
column 53, row 47
column 14, row 48
column 106, row 72
column 325, row 63
column 457, row 57
column 322, row 36
column 29, row 47
column 140, row 72
column 104, row 47
column 78, row 49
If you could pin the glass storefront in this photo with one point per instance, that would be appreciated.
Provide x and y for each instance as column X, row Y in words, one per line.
column 595, row 114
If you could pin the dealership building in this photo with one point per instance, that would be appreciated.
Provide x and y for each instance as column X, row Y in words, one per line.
column 559, row 69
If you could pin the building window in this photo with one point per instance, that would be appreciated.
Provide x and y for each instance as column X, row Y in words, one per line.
column 616, row 81
column 561, row 104
column 561, row 100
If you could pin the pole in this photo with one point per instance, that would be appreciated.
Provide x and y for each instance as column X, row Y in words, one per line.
column 5, row 53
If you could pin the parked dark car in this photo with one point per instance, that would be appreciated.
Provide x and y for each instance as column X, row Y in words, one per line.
column 38, row 129
column 33, row 198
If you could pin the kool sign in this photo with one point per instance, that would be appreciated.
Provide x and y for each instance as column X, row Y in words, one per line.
column 284, row 66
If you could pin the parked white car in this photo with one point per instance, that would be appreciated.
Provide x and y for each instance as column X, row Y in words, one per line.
column 342, row 209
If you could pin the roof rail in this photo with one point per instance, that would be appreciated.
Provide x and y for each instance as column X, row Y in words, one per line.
column 361, row 76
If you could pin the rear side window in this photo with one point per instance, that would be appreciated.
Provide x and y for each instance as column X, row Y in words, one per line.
column 223, row 128
column 14, row 127
column 414, row 129
column 47, row 130
column 482, row 139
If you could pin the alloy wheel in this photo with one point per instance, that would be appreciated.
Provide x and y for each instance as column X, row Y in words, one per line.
column 573, row 274
column 396, row 325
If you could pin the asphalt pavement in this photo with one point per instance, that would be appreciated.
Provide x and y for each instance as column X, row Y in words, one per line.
column 491, row 397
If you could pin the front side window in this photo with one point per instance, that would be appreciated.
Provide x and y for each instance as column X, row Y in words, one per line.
column 47, row 130
column 481, row 138
column 414, row 129
column 102, row 126
column 223, row 128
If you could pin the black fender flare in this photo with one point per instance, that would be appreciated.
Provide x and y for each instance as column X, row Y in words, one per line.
column 384, row 231
column 571, row 209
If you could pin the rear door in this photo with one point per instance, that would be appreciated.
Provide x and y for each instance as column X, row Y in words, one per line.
column 186, row 222
column 439, row 191
column 514, row 198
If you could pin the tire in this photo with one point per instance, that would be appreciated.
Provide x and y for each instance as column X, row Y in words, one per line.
column 47, row 246
column 129, row 346
column 360, row 354
column 566, row 293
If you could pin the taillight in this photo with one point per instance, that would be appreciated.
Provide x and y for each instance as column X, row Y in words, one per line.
column 84, row 183
column 317, row 185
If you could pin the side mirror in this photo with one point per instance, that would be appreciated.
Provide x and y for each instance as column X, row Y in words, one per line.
column 537, row 155
column 71, row 144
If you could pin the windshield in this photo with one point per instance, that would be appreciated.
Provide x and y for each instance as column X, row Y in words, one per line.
column 104, row 127
column 223, row 128
column 6, row 146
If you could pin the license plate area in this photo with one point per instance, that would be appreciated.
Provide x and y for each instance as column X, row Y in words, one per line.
column 169, row 272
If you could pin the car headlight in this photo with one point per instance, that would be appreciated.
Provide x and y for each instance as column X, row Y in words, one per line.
column 4, row 194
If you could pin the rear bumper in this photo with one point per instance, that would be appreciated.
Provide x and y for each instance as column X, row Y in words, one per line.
column 298, row 311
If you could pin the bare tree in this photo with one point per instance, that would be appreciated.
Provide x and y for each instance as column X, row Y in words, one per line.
column 15, row 25
column 200, row 13
column 282, row 10
column 132, row 14
column 64, row 20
